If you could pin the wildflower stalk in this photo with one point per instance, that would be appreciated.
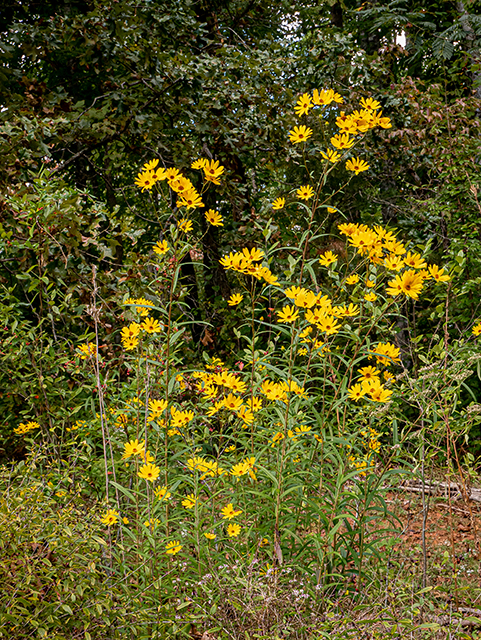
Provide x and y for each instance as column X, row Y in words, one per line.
column 284, row 444
column 252, row 357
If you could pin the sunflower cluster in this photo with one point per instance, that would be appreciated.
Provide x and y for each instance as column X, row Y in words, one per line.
column 349, row 125
column 370, row 384
column 371, row 440
column 130, row 335
column 385, row 353
column 381, row 247
column 321, row 312
column 248, row 262
column 211, row 168
column 136, row 448
column 279, row 390
column 150, row 174
column 220, row 388
column 179, row 419
column 362, row 464
column 188, row 195
column 207, row 468
column 246, row 467
column 156, row 409
column 25, row 427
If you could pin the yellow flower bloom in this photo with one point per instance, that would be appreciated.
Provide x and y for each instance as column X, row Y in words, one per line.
column 346, row 124
column 364, row 120
column 277, row 438
column 132, row 331
column 159, row 174
column 180, row 418
column 303, row 104
column 415, row 261
column 438, row 274
column 161, row 493
column 305, row 299
column 300, row 134
column 369, row 374
column 129, row 343
column 288, row 314
column 233, row 530
column 150, row 165
column 110, row 517
column 235, row 299
column 190, row 501
column 232, row 402
column 357, row 165
column 191, row 200
column 370, row 297
column 370, row 103
column 133, row 448
column 161, row 247
column 410, row 283
column 185, row 225
column 212, row 171
column 293, row 291
column 198, row 164
column 331, row 155
column 149, row 325
column 197, row 463
column 328, row 258
column 304, row 193
column 229, row 512
column 255, row 404
column 477, row 329
column 323, row 97
column 379, row 394
column 278, row 203
column 142, row 307
column 171, row 173
column 274, row 391
column 152, row 523
column 214, row 218
column 253, row 254
column 26, row 427
column 173, row 547
column 385, row 123
column 394, row 263
column 348, row 228
column 88, row 350
column 181, row 185
column 326, row 323
column 385, row 353
column 356, row 392
column 156, row 408
column 342, row 141
column 145, row 180
column 352, row 279
column 149, row 472
column 210, row 536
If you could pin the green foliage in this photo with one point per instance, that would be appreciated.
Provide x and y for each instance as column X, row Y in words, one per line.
column 92, row 91
column 51, row 237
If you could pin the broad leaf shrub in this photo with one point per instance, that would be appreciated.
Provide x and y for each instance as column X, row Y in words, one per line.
column 221, row 483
